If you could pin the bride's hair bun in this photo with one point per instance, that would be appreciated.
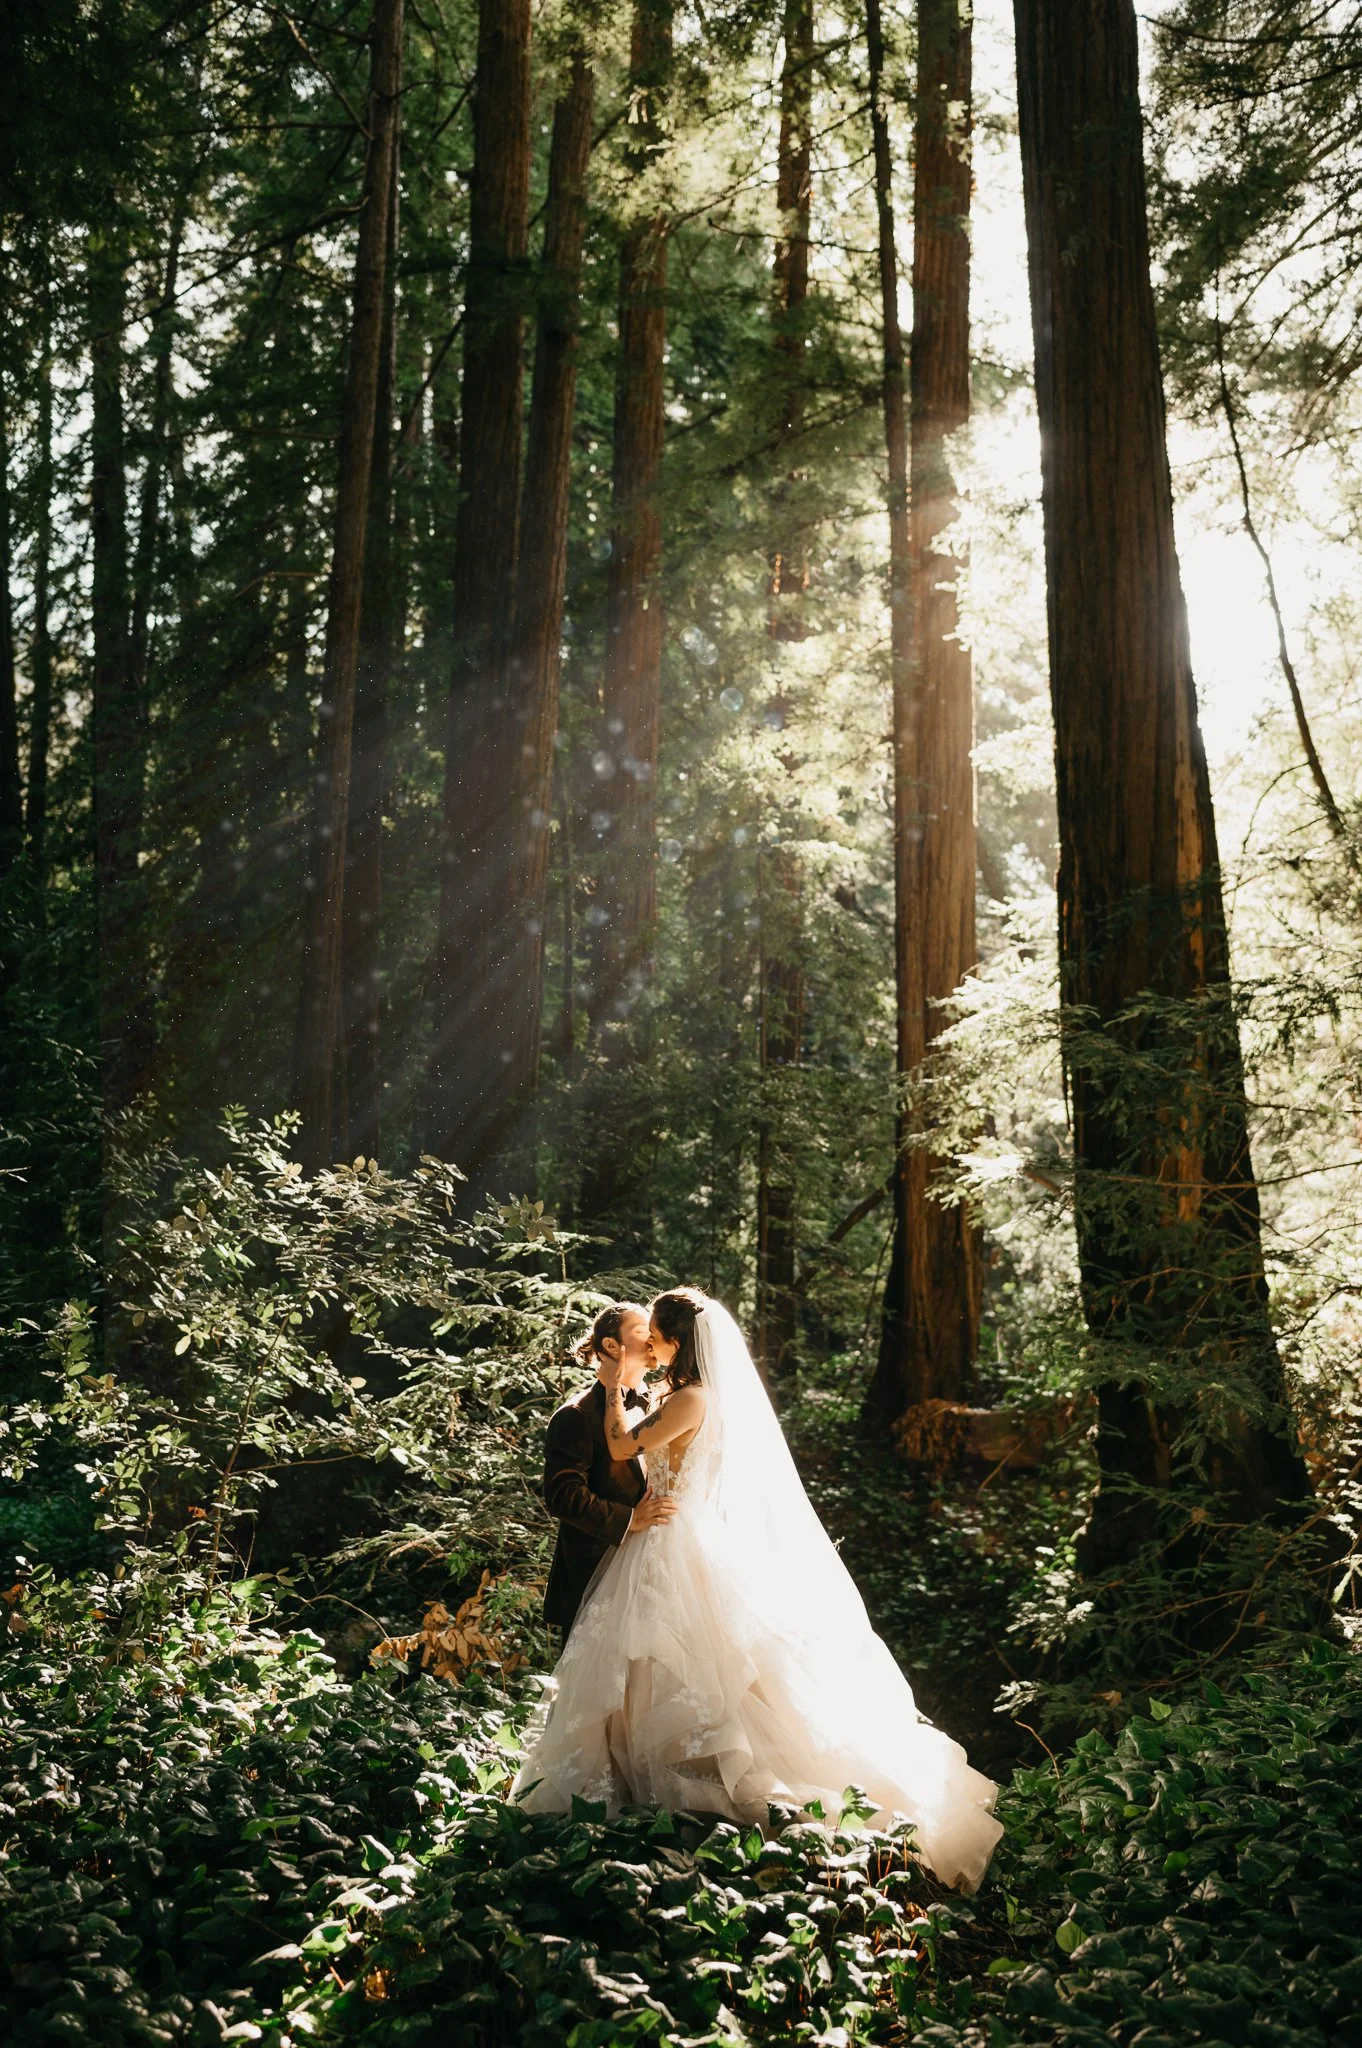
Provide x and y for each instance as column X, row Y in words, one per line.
column 676, row 1313
column 605, row 1327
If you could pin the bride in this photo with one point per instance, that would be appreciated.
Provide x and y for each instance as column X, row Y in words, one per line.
column 723, row 1659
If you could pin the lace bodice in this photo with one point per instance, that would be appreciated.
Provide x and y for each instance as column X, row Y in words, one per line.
column 663, row 1466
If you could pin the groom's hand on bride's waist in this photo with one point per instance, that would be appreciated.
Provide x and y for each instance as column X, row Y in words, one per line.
column 650, row 1513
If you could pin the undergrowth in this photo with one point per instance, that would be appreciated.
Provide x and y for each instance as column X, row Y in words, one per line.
column 212, row 1830
column 209, row 1834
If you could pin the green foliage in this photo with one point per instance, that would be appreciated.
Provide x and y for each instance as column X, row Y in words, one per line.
column 1194, row 1880
column 296, row 1366
column 585, row 1930
column 208, row 1832
column 182, row 1796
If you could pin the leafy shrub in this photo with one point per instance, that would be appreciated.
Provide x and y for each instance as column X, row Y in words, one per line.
column 578, row 1929
column 1194, row 1880
column 176, row 1804
column 298, row 1366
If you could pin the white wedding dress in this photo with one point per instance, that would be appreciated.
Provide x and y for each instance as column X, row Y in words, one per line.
column 724, row 1660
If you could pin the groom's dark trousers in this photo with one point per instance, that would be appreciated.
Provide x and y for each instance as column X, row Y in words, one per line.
column 591, row 1495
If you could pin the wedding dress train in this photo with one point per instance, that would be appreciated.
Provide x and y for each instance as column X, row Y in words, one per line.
column 725, row 1661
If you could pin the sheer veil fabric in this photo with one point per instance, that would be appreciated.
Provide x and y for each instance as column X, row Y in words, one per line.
column 725, row 1661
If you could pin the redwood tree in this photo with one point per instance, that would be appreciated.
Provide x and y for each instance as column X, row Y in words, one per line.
column 931, row 1309
column 467, row 1075
column 126, row 1018
column 320, row 1008
column 625, row 907
column 542, row 578
column 382, row 629
column 149, row 514
column 1165, row 1198
column 782, row 970
column 910, row 1000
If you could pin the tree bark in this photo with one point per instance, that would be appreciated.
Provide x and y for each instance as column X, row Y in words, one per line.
column 382, row 632
column 40, row 720
column 467, row 1076
column 320, row 1010
column 1166, row 1205
column 782, row 970
column 931, row 1312
column 541, row 586
column 624, row 913
column 126, row 1017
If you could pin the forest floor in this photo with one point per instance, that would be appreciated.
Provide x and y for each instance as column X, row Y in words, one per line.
column 221, row 1836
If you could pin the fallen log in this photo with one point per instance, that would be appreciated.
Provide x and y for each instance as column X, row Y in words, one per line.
column 944, row 1436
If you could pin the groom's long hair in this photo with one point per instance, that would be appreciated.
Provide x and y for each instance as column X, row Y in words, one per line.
column 675, row 1314
column 606, row 1325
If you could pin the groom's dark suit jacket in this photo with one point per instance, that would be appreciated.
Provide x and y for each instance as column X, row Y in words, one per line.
column 591, row 1494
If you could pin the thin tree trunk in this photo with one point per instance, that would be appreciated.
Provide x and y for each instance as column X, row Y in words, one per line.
column 126, row 1025
column 320, row 1010
column 467, row 1075
column 1327, row 801
column 541, row 585
column 625, row 907
column 779, row 1048
column 931, row 1313
column 910, row 1000
column 794, row 192
column 382, row 632
column 566, row 1046
column 1166, row 1206
column 40, row 719
column 11, row 784
column 782, row 970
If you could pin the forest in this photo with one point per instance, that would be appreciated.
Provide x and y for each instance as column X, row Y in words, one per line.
column 678, row 641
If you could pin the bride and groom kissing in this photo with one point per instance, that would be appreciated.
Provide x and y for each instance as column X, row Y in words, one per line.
column 719, row 1658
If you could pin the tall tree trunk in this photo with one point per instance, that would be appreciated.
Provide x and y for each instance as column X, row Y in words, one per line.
column 11, row 784
column 40, row 658
column 782, row 971
column 931, row 1312
column 1166, row 1205
column 910, row 1001
column 126, row 1025
column 382, row 632
column 540, row 587
column 467, row 1077
column 153, row 474
column 625, row 908
column 794, row 193
column 320, row 1009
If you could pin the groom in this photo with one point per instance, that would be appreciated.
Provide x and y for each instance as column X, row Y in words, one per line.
column 596, row 1499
